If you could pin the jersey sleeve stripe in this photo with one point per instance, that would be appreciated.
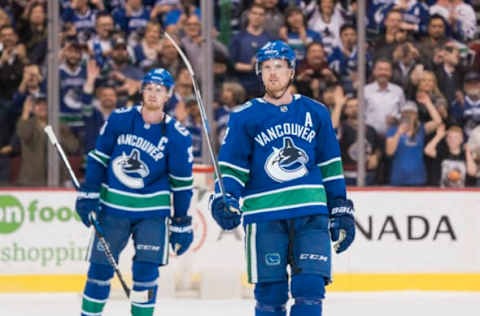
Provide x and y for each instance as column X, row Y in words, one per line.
column 332, row 169
column 238, row 175
column 177, row 183
column 101, row 161
column 182, row 188
column 321, row 164
column 232, row 166
column 99, row 153
column 180, row 178
column 333, row 178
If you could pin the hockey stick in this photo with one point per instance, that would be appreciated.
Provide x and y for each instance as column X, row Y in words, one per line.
column 140, row 296
column 205, row 125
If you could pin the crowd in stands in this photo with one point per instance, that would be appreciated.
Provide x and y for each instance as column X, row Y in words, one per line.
column 422, row 99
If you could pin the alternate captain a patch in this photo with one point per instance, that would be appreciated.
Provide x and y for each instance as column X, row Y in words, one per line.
column 130, row 170
column 286, row 163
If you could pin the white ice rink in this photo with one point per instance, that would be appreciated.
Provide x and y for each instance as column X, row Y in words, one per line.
column 337, row 304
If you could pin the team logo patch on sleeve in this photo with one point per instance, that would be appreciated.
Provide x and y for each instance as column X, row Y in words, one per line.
column 286, row 163
column 130, row 170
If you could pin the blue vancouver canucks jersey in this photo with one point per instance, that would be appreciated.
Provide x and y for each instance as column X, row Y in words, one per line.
column 283, row 161
column 138, row 167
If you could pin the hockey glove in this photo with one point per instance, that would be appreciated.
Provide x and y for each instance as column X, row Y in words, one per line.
column 342, row 224
column 226, row 215
column 181, row 234
column 87, row 201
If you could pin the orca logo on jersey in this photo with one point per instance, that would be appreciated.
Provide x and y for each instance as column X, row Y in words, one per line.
column 125, row 167
column 287, row 163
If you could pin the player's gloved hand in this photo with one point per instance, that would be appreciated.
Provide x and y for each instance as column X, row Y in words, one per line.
column 181, row 234
column 227, row 215
column 87, row 201
column 342, row 224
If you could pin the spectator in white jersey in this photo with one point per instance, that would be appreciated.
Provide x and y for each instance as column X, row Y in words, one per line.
column 327, row 20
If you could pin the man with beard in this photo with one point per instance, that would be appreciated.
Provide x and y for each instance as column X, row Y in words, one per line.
column 139, row 184
column 72, row 77
column 280, row 156
column 467, row 110
column 383, row 99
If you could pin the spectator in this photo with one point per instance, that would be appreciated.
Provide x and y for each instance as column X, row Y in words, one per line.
column 383, row 99
column 12, row 59
column 327, row 20
column 348, row 135
column 174, row 20
column 100, row 44
column 466, row 111
column 296, row 33
column 428, row 92
column 32, row 29
column 414, row 15
column 132, row 20
column 72, row 77
column 392, row 36
column 453, row 156
column 127, row 77
column 192, row 42
column 148, row 50
column 313, row 74
column 169, row 58
column 82, row 17
column 331, row 96
column 405, row 61
column 183, row 92
column 244, row 47
column 449, row 76
column 274, row 17
column 436, row 37
column 33, row 171
column 461, row 18
column 343, row 59
column 233, row 95
column 32, row 84
column 193, row 123
column 95, row 117
column 405, row 144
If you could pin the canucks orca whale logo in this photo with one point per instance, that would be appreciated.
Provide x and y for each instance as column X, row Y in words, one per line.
column 286, row 163
column 130, row 170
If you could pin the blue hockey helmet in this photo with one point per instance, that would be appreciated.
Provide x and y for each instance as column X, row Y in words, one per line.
column 274, row 50
column 159, row 76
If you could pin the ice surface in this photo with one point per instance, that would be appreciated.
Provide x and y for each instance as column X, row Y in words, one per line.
column 336, row 304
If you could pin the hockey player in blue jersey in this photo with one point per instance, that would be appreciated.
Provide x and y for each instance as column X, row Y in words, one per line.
column 281, row 156
column 141, row 164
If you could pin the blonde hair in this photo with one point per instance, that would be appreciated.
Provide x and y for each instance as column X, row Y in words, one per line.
column 435, row 90
column 237, row 90
column 151, row 25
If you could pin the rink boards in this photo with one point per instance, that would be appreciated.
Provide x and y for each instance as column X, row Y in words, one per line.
column 407, row 239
